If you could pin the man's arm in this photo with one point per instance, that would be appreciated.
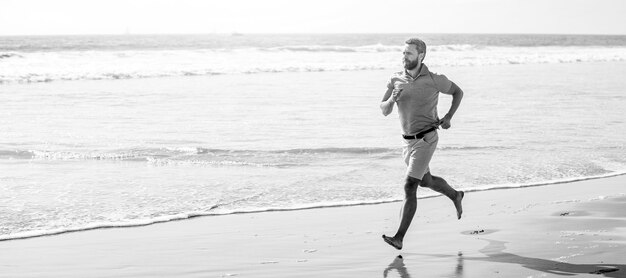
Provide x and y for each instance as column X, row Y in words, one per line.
column 388, row 101
column 457, row 96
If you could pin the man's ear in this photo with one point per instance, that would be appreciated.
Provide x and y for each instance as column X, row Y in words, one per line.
column 421, row 56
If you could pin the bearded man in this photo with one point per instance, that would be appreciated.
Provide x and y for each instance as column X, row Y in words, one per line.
column 415, row 91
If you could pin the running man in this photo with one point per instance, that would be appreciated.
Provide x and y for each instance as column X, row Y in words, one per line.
column 415, row 91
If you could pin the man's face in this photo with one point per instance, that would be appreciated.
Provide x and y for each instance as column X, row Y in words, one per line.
column 411, row 58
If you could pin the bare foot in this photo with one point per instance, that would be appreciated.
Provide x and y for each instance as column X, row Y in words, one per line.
column 396, row 243
column 457, row 204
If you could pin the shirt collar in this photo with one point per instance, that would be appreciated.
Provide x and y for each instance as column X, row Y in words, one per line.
column 423, row 71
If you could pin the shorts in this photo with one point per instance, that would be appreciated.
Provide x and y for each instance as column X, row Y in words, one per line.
column 417, row 154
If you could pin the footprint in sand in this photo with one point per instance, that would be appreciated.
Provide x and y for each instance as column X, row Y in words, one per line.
column 572, row 213
column 478, row 232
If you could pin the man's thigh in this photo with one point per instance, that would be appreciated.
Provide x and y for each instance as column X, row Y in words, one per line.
column 418, row 155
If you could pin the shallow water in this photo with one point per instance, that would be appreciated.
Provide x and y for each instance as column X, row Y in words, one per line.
column 93, row 153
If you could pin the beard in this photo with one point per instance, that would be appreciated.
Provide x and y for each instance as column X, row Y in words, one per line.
column 410, row 65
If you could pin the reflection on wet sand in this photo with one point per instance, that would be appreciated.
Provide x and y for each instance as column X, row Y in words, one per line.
column 397, row 264
column 494, row 252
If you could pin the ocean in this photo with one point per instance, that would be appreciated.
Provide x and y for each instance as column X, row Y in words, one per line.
column 128, row 130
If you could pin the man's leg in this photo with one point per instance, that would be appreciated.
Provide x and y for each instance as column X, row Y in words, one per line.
column 410, row 206
column 440, row 185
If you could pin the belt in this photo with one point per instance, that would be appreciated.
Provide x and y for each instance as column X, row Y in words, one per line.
column 419, row 135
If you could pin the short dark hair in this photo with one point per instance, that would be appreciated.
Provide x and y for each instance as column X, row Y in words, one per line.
column 419, row 44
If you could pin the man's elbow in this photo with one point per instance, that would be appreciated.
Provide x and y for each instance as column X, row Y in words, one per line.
column 382, row 107
column 386, row 111
column 457, row 92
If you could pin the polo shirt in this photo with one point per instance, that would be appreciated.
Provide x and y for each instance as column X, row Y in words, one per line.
column 417, row 104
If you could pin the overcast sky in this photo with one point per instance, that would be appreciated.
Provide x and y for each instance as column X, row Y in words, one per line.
column 45, row 17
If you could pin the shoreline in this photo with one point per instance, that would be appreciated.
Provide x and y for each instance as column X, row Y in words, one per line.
column 175, row 218
column 544, row 231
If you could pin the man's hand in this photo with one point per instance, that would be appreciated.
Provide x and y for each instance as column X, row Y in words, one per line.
column 395, row 95
column 445, row 122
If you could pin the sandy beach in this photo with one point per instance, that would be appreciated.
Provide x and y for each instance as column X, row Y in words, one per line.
column 547, row 231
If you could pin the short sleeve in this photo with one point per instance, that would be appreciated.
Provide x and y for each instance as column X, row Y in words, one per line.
column 442, row 83
column 390, row 84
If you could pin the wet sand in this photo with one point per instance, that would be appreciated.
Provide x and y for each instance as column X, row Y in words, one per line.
column 573, row 228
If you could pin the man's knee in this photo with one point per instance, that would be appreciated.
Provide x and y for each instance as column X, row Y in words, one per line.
column 410, row 186
column 427, row 180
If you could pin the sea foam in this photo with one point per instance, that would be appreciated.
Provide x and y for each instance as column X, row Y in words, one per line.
column 28, row 67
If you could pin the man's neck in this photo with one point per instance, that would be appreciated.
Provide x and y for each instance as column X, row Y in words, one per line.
column 414, row 72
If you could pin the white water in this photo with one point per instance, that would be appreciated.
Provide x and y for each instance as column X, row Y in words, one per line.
column 27, row 67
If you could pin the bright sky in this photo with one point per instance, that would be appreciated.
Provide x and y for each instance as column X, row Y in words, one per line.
column 45, row 17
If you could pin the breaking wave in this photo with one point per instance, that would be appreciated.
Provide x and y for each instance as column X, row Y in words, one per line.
column 32, row 67
column 208, row 156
